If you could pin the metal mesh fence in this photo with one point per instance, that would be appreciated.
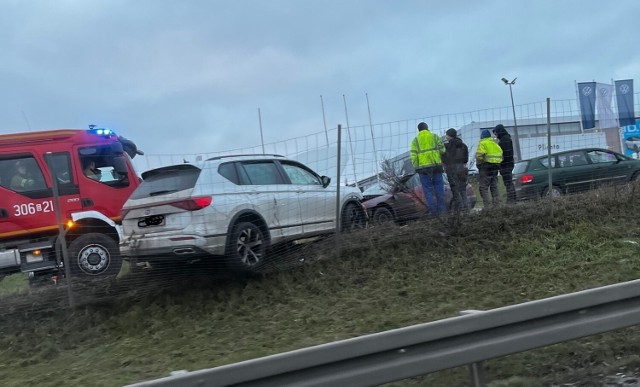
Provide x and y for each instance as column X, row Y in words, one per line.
column 242, row 213
column 189, row 207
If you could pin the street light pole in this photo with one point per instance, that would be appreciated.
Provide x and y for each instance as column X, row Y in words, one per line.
column 517, row 156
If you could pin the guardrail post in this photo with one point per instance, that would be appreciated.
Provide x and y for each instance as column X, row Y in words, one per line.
column 475, row 369
column 477, row 377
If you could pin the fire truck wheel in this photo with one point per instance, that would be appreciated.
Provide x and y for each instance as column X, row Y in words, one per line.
column 94, row 254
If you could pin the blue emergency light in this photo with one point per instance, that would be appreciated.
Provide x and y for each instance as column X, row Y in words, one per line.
column 100, row 131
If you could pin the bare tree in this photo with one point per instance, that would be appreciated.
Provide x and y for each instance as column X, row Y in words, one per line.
column 390, row 177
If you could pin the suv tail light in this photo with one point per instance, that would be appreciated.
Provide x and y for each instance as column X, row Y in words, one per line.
column 193, row 204
column 526, row 179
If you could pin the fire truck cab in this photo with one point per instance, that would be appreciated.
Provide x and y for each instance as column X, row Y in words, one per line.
column 94, row 176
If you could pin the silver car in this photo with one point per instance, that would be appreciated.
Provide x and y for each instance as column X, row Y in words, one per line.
column 232, row 206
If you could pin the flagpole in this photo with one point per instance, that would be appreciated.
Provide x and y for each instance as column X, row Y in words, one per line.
column 261, row 137
column 373, row 140
column 353, row 160
column 620, row 131
column 324, row 120
column 575, row 82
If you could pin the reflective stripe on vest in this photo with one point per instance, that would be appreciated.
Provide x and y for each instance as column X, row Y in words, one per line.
column 427, row 157
column 493, row 151
column 422, row 150
column 493, row 159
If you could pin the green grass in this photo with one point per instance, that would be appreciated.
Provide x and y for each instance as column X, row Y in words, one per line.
column 18, row 283
column 13, row 284
column 380, row 279
column 501, row 190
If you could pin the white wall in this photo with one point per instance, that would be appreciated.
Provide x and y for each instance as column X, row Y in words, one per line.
column 537, row 146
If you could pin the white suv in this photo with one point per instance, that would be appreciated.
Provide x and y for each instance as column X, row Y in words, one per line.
column 232, row 206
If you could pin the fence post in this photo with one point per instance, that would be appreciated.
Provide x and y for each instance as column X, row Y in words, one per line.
column 61, row 231
column 549, row 166
column 477, row 376
column 338, row 222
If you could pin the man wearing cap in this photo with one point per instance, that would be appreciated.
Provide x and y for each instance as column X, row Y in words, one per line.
column 506, row 167
column 426, row 152
column 455, row 161
column 488, row 159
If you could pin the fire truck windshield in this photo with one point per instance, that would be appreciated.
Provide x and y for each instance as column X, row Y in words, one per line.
column 105, row 163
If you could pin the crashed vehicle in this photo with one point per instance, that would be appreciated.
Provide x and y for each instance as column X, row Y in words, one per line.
column 404, row 200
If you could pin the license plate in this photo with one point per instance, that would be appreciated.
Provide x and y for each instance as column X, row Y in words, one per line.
column 154, row 220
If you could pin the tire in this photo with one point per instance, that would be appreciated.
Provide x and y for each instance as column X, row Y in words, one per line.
column 94, row 255
column 352, row 217
column 554, row 192
column 246, row 248
column 382, row 215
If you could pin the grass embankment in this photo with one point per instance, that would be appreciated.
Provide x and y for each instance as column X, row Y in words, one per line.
column 383, row 278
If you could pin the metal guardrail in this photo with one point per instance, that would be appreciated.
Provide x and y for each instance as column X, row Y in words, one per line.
column 425, row 348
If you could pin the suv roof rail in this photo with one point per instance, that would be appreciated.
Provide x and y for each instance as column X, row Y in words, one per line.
column 241, row 155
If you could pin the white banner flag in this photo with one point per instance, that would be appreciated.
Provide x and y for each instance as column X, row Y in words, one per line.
column 603, row 101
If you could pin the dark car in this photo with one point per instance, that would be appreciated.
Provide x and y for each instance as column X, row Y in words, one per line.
column 573, row 171
column 405, row 200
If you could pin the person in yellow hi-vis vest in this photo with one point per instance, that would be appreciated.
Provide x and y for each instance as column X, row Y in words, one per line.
column 488, row 159
column 426, row 156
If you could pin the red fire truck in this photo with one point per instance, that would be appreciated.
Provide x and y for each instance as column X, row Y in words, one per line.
column 94, row 176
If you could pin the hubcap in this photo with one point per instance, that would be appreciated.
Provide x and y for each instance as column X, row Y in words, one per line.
column 383, row 217
column 93, row 259
column 249, row 247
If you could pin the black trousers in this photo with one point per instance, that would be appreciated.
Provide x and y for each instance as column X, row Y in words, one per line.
column 506, row 171
column 457, row 176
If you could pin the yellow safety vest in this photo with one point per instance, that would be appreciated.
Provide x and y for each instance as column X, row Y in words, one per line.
column 488, row 152
column 426, row 149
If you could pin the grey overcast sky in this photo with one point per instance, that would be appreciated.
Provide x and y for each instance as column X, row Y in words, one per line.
column 188, row 76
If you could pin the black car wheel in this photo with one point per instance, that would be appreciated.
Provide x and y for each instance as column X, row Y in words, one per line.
column 246, row 248
column 353, row 217
column 94, row 254
column 382, row 215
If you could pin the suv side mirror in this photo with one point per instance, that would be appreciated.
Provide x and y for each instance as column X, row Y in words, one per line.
column 325, row 181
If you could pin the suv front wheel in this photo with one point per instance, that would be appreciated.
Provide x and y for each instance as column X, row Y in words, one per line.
column 353, row 217
column 246, row 248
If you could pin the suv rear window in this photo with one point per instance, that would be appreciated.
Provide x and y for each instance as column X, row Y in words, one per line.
column 166, row 180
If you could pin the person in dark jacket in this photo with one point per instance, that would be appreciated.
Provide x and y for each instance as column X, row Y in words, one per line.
column 506, row 167
column 455, row 161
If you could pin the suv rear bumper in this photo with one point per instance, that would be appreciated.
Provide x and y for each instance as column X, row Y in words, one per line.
column 174, row 247
column 184, row 252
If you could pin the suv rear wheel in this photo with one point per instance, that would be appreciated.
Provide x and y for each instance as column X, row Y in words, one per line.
column 246, row 248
